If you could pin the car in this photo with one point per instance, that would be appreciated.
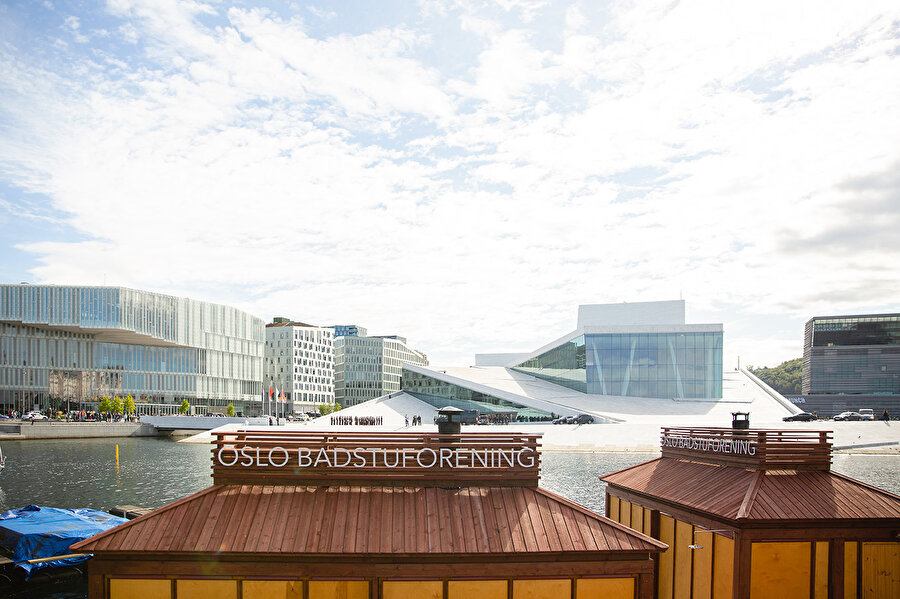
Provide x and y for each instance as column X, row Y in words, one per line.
column 565, row 420
column 867, row 413
column 801, row 417
column 848, row 416
column 584, row 419
column 34, row 416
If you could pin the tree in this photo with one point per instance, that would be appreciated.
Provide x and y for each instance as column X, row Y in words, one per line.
column 128, row 404
column 185, row 407
column 115, row 405
column 104, row 405
column 786, row 378
column 229, row 410
column 326, row 409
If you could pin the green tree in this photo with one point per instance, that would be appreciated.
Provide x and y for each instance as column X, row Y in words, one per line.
column 104, row 405
column 229, row 410
column 115, row 405
column 185, row 407
column 325, row 409
column 128, row 404
column 786, row 378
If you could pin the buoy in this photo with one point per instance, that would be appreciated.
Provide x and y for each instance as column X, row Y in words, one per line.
column 117, row 455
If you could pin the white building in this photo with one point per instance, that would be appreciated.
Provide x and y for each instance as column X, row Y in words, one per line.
column 299, row 361
column 369, row 367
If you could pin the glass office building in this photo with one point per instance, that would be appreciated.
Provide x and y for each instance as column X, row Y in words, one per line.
column 853, row 355
column 70, row 344
column 369, row 367
column 666, row 365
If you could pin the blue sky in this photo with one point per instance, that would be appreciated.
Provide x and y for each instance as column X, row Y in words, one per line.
column 461, row 173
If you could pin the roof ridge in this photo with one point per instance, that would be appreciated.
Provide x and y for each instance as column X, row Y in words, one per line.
column 153, row 514
column 750, row 495
column 603, row 519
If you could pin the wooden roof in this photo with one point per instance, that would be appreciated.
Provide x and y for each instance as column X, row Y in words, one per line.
column 350, row 521
column 742, row 494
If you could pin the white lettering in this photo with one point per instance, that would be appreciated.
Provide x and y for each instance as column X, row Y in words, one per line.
column 362, row 461
column 434, row 457
column 509, row 459
column 530, row 462
column 249, row 456
column 384, row 452
column 284, row 452
column 446, row 454
column 304, row 459
column 481, row 457
column 335, row 456
column 322, row 457
column 232, row 462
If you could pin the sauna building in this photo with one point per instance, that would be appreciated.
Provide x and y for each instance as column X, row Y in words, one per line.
column 313, row 515
column 754, row 514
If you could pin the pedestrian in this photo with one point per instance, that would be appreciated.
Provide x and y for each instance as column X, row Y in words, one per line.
column 885, row 416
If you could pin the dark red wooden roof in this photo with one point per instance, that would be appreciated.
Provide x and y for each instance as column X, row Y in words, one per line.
column 342, row 520
column 764, row 495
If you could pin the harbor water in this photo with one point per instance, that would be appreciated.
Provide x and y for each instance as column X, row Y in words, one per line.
column 151, row 472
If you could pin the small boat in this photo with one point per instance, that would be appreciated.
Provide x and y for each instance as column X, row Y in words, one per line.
column 2, row 461
column 35, row 542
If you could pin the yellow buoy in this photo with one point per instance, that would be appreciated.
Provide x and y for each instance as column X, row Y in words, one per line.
column 117, row 454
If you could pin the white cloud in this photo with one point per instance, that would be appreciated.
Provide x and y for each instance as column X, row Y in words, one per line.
column 718, row 150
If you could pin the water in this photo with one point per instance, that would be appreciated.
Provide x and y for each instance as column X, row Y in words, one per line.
column 153, row 472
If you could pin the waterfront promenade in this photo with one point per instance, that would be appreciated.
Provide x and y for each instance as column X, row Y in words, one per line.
column 56, row 429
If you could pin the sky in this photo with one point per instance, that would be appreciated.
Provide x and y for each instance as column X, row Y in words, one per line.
column 462, row 173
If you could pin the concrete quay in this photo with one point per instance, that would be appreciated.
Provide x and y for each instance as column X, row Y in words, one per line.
column 51, row 429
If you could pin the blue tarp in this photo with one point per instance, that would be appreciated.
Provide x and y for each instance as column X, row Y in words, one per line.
column 32, row 532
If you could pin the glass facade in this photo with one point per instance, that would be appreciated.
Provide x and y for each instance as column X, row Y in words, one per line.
column 369, row 367
column 87, row 342
column 671, row 365
column 441, row 394
column 852, row 355
column 300, row 362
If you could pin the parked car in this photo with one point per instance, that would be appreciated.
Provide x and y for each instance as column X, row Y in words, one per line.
column 849, row 416
column 34, row 416
column 565, row 420
column 584, row 419
column 867, row 413
column 801, row 417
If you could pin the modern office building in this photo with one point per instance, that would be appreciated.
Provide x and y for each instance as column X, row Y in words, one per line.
column 369, row 367
column 75, row 344
column 851, row 362
column 299, row 361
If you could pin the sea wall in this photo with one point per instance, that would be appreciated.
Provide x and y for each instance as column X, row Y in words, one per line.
column 76, row 430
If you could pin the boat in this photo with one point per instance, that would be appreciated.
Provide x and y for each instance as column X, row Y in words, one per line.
column 34, row 542
column 2, row 461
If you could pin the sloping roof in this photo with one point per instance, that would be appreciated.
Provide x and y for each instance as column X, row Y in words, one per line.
column 747, row 495
column 342, row 520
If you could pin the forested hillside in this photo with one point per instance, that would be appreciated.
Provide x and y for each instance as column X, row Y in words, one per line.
column 784, row 378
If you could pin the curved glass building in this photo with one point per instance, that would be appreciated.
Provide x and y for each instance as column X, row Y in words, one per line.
column 65, row 344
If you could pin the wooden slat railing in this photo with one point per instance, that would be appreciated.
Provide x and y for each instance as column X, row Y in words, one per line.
column 759, row 449
column 366, row 458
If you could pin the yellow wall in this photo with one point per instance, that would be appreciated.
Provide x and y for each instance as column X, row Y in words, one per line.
column 542, row 589
column 272, row 589
column 413, row 589
column 637, row 517
column 851, row 555
column 477, row 589
column 614, row 508
column 206, row 589
column 137, row 588
column 723, row 566
column 681, row 586
column 625, row 512
column 338, row 589
column 820, row 591
column 780, row 570
column 647, row 515
column 667, row 558
column 880, row 570
column 703, row 564
column 605, row 588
